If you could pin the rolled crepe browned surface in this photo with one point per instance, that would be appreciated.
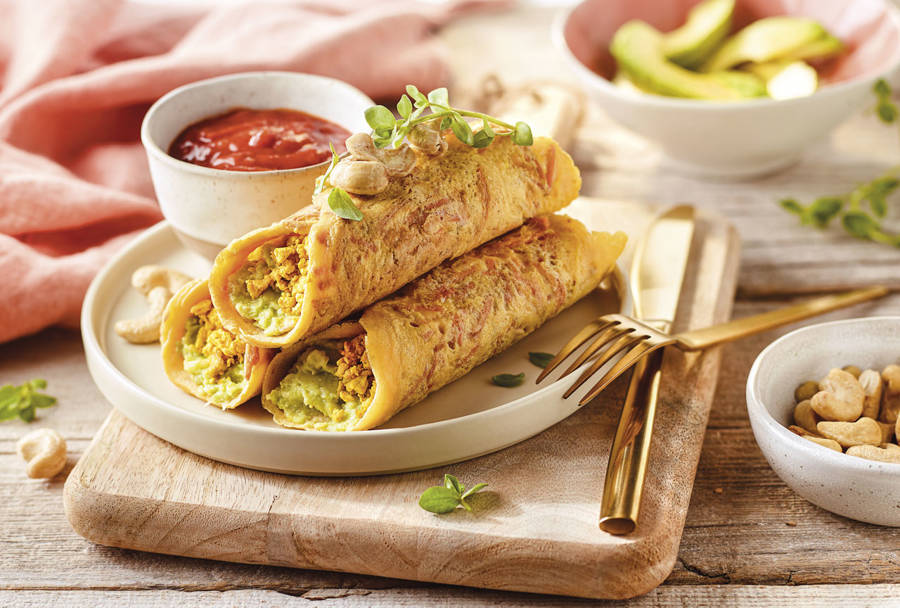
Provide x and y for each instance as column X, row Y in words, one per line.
column 203, row 358
column 437, row 328
column 446, row 206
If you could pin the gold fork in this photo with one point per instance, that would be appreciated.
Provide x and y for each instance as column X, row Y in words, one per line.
column 618, row 333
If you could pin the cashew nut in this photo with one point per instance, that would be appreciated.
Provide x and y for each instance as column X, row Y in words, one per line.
column 831, row 444
column 157, row 284
column 45, row 452
column 852, row 370
column 870, row 381
column 870, row 452
column 805, row 391
column 890, row 405
column 892, row 447
column 427, row 139
column 863, row 431
column 805, row 417
column 360, row 176
column 841, row 397
column 887, row 431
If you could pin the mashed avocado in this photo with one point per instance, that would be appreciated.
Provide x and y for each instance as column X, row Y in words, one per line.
column 212, row 356
column 269, row 288
column 310, row 394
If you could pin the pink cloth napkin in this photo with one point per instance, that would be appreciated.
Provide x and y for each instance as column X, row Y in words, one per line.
column 77, row 77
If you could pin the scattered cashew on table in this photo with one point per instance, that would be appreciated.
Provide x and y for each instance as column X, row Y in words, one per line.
column 158, row 285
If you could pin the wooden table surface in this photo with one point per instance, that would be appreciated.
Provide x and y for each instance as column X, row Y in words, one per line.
column 749, row 539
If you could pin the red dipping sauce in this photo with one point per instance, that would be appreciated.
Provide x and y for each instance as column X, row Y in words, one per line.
column 259, row 140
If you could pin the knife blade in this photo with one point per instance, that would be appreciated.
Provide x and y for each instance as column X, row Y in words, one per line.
column 657, row 273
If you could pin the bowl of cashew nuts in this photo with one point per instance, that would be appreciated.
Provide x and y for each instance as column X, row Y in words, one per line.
column 824, row 403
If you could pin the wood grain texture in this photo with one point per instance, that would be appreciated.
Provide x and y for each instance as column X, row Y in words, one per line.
column 535, row 530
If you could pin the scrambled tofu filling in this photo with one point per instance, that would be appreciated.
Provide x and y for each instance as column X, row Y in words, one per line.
column 269, row 288
column 213, row 356
column 329, row 388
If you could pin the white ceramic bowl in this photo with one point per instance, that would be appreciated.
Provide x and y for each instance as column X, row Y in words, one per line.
column 860, row 489
column 210, row 207
column 734, row 139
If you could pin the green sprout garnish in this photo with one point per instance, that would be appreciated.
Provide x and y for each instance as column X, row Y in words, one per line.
column 445, row 498
column 861, row 210
column 22, row 401
column 389, row 131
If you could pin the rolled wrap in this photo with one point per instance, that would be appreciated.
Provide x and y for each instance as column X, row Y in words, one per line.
column 439, row 327
column 218, row 391
column 446, row 206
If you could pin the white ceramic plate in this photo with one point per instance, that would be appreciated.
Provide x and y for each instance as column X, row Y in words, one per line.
column 465, row 419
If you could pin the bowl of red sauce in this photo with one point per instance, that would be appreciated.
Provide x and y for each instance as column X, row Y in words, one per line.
column 231, row 154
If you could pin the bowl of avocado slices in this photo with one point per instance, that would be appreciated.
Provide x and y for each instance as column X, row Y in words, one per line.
column 731, row 88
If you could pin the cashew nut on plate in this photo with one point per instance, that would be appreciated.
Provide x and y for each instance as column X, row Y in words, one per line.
column 157, row 284
column 45, row 452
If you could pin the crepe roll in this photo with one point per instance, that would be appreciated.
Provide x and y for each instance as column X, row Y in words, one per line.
column 205, row 359
column 357, row 375
column 299, row 276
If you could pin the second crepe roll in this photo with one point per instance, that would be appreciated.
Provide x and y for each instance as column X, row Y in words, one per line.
column 357, row 375
column 279, row 284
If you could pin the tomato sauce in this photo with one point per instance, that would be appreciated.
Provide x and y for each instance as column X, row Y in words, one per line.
column 259, row 140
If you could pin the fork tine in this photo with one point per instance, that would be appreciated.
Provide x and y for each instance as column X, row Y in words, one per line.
column 591, row 329
column 604, row 338
column 618, row 345
column 622, row 365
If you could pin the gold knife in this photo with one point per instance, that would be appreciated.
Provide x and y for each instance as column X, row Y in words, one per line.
column 657, row 273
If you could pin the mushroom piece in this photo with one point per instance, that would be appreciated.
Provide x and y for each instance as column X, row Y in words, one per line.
column 365, row 177
column 427, row 138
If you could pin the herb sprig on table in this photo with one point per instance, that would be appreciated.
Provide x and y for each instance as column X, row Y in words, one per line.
column 414, row 109
column 861, row 210
column 23, row 401
column 445, row 498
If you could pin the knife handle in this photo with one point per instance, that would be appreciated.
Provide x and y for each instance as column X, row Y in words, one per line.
column 630, row 451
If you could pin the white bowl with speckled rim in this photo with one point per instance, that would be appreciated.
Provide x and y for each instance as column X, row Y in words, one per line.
column 210, row 207
column 860, row 489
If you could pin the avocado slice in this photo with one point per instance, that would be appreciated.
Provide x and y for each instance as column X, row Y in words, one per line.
column 637, row 48
column 748, row 85
column 786, row 79
column 765, row 40
column 824, row 48
column 707, row 25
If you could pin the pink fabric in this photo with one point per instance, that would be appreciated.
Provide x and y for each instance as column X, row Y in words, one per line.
column 77, row 77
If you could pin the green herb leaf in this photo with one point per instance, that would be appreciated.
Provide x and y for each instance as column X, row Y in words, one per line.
column 824, row 209
column 881, row 88
column 522, row 134
column 342, row 205
column 462, row 130
column 476, row 488
column 438, row 499
column 445, row 123
column 439, row 97
column 379, row 117
column 404, row 107
column 792, row 206
column 508, row 380
column 23, row 401
column 417, row 97
column 859, row 224
column 323, row 179
column 452, row 483
column 482, row 139
column 541, row 360
column 887, row 112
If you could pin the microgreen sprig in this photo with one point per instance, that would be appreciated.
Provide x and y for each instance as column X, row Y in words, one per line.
column 861, row 210
column 445, row 498
column 390, row 131
column 22, row 401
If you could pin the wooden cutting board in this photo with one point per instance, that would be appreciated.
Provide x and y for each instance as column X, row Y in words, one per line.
column 535, row 528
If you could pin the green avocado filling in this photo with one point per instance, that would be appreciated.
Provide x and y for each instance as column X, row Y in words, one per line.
column 269, row 288
column 327, row 389
column 212, row 355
